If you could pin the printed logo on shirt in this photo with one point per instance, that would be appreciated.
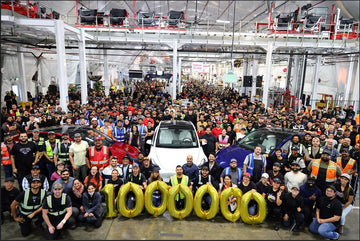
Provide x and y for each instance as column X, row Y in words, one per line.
column 25, row 150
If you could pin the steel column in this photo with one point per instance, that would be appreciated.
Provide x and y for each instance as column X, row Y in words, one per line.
column 22, row 80
column 82, row 67
column 174, row 69
column 62, row 74
column 179, row 82
column 267, row 74
column 254, row 74
column 288, row 74
column 315, row 82
column 302, row 82
column 106, row 73
column 348, row 81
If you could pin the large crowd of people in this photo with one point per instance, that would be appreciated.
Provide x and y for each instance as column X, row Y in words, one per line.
column 309, row 182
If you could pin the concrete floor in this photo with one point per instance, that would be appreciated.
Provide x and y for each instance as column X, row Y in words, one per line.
column 165, row 227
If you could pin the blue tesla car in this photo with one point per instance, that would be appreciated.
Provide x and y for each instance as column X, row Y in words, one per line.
column 268, row 138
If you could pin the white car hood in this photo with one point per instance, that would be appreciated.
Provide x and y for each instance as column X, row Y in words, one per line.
column 168, row 158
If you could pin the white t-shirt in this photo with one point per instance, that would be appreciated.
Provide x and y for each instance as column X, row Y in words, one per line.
column 79, row 151
column 292, row 179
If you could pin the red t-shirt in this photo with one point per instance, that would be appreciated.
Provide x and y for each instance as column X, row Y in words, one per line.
column 216, row 132
column 93, row 180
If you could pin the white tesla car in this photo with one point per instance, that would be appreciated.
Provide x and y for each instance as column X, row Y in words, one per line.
column 172, row 141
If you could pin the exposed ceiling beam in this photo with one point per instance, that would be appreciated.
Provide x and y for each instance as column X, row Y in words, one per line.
column 204, row 9
column 218, row 17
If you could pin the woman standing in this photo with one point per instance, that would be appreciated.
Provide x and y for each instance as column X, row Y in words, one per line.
column 134, row 138
column 345, row 193
column 93, row 210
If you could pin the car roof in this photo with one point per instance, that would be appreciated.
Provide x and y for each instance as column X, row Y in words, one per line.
column 282, row 130
column 176, row 123
column 61, row 128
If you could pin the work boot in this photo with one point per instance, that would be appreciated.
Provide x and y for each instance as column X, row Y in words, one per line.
column 340, row 229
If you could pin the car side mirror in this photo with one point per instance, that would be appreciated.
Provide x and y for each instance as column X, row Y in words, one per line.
column 148, row 142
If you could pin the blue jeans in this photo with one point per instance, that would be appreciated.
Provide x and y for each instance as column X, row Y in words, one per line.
column 345, row 212
column 207, row 199
column 51, row 169
column 8, row 170
column 326, row 229
column 251, row 210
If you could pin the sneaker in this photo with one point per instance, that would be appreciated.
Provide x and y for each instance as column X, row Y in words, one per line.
column 276, row 227
column 293, row 227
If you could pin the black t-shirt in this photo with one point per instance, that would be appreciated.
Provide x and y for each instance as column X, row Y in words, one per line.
column 150, row 129
column 24, row 156
column 75, row 201
column 270, row 196
column 340, row 194
column 247, row 188
column 146, row 171
column 329, row 208
column 204, row 180
column 291, row 204
column 257, row 169
column 7, row 197
column 117, row 184
column 210, row 146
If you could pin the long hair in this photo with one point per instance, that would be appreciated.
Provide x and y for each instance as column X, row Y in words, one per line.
column 153, row 178
column 97, row 176
column 346, row 191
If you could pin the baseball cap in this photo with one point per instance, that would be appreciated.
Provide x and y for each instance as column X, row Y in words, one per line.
column 135, row 165
column 93, row 119
column 295, row 163
column 35, row 130
column 77, row 135
column 277, row 164
column 205, row 168
column 156, row 169
column 295, row 148
column 233, row 160
column 35, row 167
column 295, row 186
column 247, row 174
column 36, row 180
column 344, row 149
column 326, row 151
column 340, row 129
column 9, row 179
column 218, row 122
column 277, row 180
column 332, row 187
column 265, row 175
column 310, row 178
column 98, row 138
column 346, row 175
column 51, row 132
column 57, row 185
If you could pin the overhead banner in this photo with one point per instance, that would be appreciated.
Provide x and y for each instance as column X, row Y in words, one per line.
column 197, row 67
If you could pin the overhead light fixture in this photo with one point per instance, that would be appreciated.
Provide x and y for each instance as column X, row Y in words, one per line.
column 222, row 21
column 137, row 47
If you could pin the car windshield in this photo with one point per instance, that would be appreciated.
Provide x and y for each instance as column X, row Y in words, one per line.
column 266, row 139
column 177, row 138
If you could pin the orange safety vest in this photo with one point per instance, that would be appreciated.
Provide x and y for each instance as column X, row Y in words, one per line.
column 349, row 166
column 330, row 172
column 99, row 158
column 5, row 158
column 345, row 127
column 108, row 132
